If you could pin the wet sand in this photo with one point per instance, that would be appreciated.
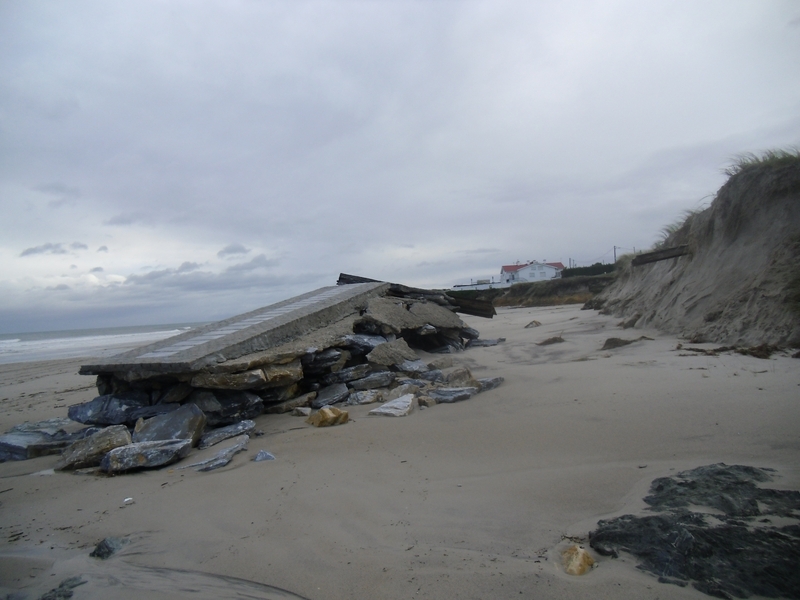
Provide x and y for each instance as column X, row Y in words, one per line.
column 469, row 500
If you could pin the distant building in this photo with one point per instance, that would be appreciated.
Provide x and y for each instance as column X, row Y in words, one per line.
column 518, row 273
column 532, row 271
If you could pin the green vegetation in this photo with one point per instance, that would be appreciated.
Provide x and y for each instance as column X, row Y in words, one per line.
column 572, row 290
column 595, row 269
column 775, row 158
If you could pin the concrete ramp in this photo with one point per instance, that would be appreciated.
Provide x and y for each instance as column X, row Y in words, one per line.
column 251, row 332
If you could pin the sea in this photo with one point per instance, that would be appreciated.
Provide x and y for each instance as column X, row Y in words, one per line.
column 94, row 343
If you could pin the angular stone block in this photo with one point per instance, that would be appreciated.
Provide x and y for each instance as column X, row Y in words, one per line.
column 90, row 451
column 332, row 394
column 450, row 395
column 290, row 405
column 328, row 416
column 283, row 375
column 391, row 353
column 227, row 407
column 215, row 436
column 347, row 374
column 230, row 381
column 400, row 407
column 187, row 422
column 365, row 397
column 145, row 455
column 375, row 380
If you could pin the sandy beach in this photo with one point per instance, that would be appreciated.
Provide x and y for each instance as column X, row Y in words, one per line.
column 468, row 500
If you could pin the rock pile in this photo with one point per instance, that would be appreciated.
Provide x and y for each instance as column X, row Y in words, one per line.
column 151, row 415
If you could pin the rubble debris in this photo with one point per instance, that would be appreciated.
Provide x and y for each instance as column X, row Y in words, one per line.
column 532, row 324
column 356, row 343
column 108, row 547
column 735, row 551
column 485, row 343
column 145, row 455
column 448, row 395
column 187, row 422
column 89, row 451
column 223, row 457
column 612, row 343
column 399, row 407
column 551, row 340
column 328, row 416
column 215, row 436
column 576, row 560
column 490, row 383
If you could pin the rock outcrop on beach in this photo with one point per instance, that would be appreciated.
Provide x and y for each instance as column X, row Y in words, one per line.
column 739, row 282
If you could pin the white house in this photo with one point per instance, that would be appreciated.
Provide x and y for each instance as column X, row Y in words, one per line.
column 532, row 271
column 519, row 273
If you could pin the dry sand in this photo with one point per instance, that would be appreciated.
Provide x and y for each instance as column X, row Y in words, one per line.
column 469, row 500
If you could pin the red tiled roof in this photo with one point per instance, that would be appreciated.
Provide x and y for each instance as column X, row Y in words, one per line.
column 557, row 265
column 511, row 268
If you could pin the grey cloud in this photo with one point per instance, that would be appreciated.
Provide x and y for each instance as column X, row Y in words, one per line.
column 48, row 248
column 78, row 246
column 59, row 288
column 103, row 249
column 128, row 219
column 65, row 194
column 233, row 249
column 186, row 267
column 258, row 262
column 97, row 270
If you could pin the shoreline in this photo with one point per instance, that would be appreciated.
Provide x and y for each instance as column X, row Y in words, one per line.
column 463, row 500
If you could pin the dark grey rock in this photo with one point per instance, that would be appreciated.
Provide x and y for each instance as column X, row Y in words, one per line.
column 108, row 547
column 361, row 343
column 433, row 375
column 117, row 409
column 25, row 445
column 187, row 422
column 263, row 455
column 89, row 451
column 215, row 436
column 415, row 367
column 739, row 553
column 145, row 455
column 469, row 333
column 347, row 374
column 426, row 329
column 52, row 427
column 320, row 362
column 450, row 395
column 223, row 407
column 485, row 343
column 376, row 380
column 224, row 456
column 64, row 589
column 489, row 383
column 332, row 394
column 176, row 393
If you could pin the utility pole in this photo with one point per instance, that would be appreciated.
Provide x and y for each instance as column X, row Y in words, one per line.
column 615, row 255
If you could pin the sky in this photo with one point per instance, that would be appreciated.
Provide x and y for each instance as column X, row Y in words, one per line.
column 181, row 161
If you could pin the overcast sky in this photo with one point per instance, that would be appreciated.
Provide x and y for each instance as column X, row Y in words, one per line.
column 176, row 161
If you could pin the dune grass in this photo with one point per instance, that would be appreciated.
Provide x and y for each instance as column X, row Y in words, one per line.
column 748, row 160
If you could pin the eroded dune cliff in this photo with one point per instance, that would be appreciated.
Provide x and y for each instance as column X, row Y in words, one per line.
column 740, row 282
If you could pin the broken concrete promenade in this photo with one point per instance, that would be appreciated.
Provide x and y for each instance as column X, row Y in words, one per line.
column 349, row 344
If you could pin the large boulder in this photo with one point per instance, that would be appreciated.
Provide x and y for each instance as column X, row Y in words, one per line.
column 226, row 407
column 187, row 422
column 118, row 409
column 392, row 353
column 332, row 394
column 283, row 375
column 230, row 381
column 375, row 380
column 89, row 451
column 145, row 455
